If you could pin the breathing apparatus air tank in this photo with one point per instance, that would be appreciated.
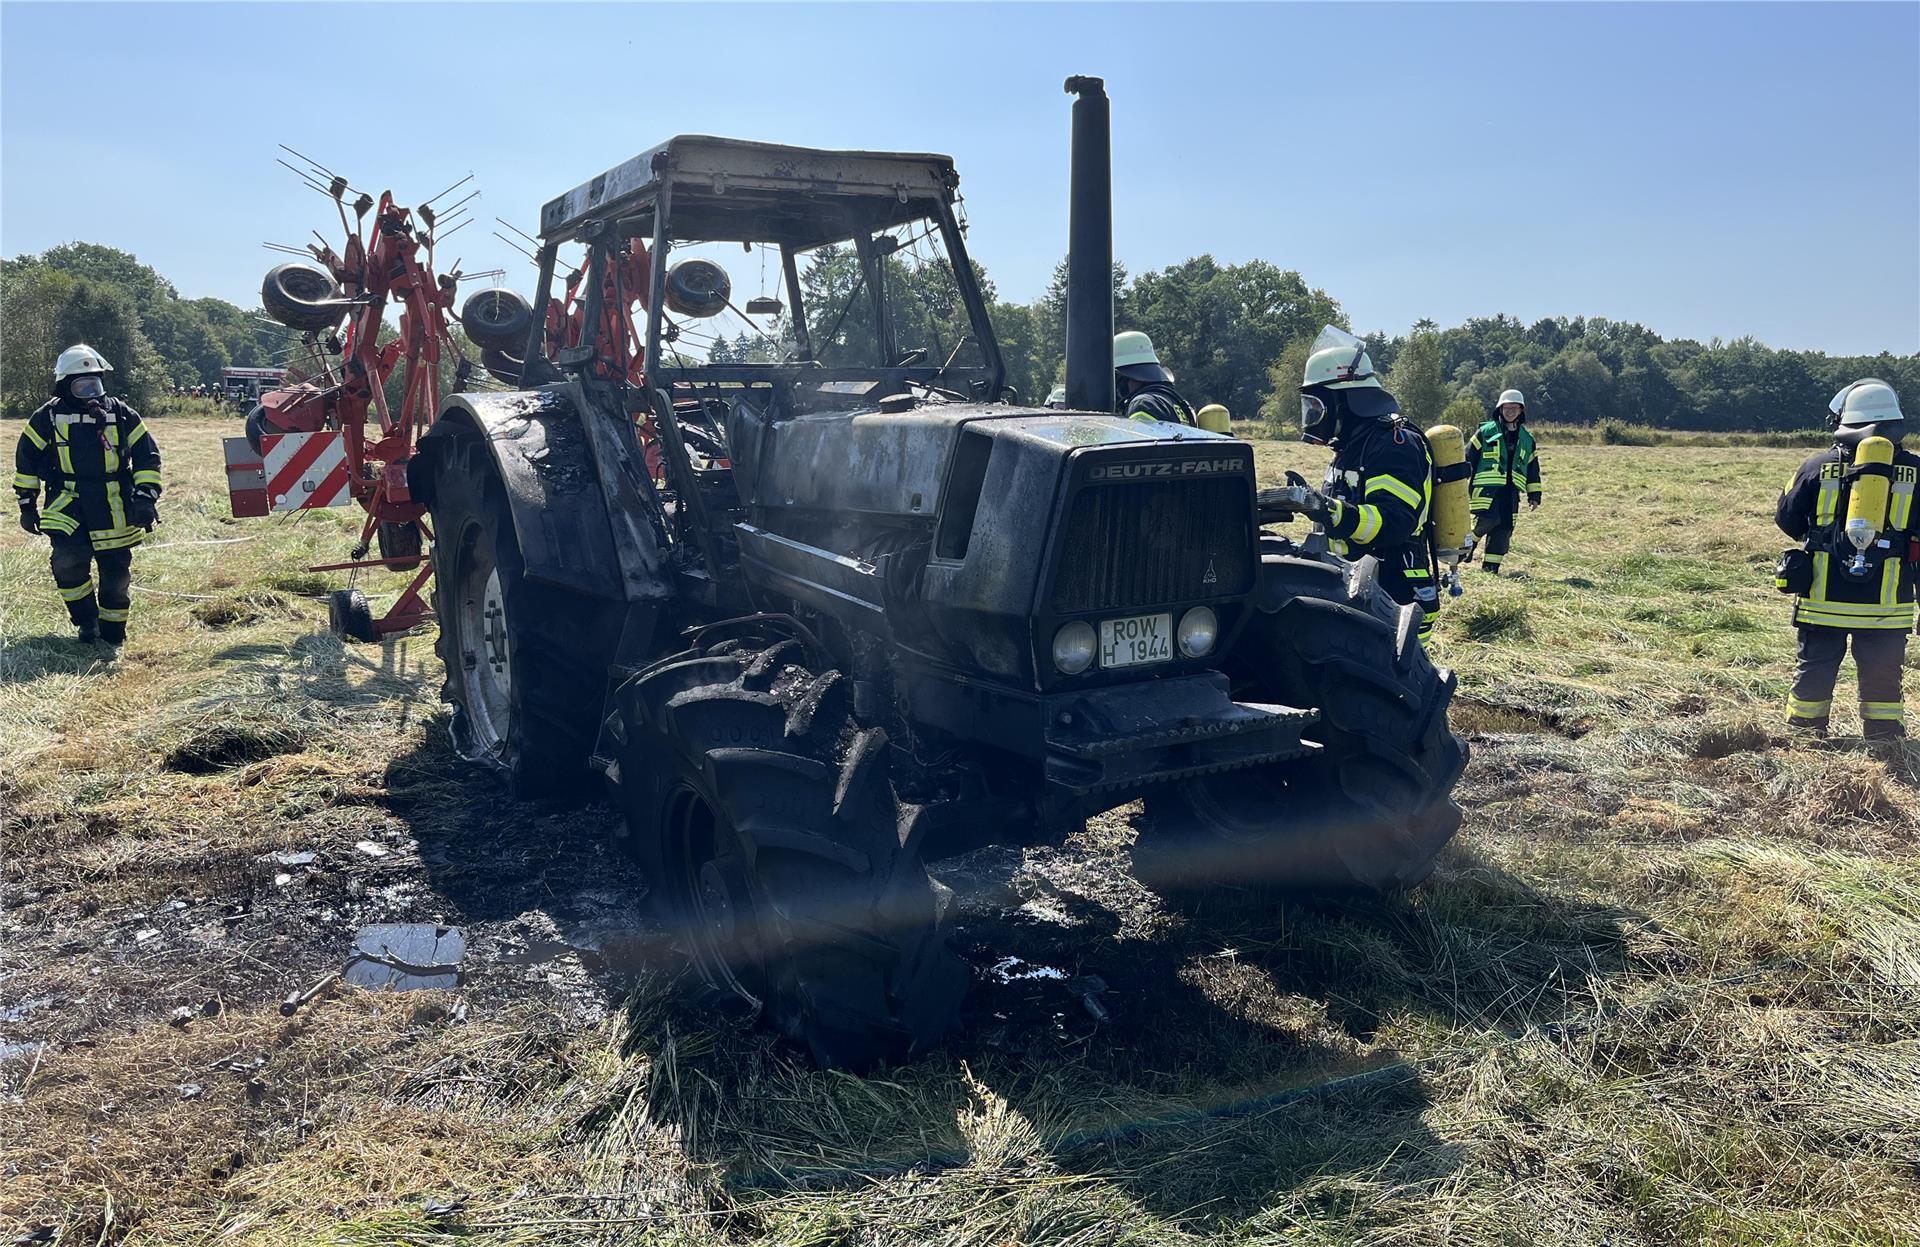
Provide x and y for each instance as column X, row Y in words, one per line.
column 1452, row 516
column 1867, row 500
column 1214, row 418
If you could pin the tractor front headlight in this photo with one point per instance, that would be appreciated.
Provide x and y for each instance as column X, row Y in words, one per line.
column 1198, row 631
column 1074, row 647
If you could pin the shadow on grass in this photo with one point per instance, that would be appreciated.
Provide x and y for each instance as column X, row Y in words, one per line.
column 401, row 670
column 1242, row 1054
column 26, row 659
column 1240, row 1057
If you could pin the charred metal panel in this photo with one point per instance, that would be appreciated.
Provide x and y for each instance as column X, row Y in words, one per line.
column 859, row 464
column 560, row 513
column 716, row 167
column 847, row 588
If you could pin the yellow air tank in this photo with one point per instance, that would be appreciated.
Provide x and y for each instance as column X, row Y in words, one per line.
column 1214, row 419
column 1452, row 520
column 1867, row 500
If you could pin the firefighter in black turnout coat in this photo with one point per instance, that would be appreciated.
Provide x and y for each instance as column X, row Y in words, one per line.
column 98, row 469
column 1847, row 591
column 1378, row 494
column 1143, row 384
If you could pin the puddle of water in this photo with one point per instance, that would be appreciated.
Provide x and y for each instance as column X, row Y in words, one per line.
column 14, row 1013
column 1014, row 970
column 539, row 952
column 406, row 956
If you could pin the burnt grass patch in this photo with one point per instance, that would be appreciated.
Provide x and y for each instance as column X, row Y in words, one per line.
column 224, row 746
column 238, row 610
column 1475, row 716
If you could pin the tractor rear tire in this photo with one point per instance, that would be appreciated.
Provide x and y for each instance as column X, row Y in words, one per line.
column 526, row 661
column 778, row 853
column 1373, row 808
column 299, row 297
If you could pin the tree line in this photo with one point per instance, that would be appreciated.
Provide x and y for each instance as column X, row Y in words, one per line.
column 1234, row 334
column 1239, row 335
column 154, row 338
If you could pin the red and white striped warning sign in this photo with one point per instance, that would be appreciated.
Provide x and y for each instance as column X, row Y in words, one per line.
column 305, row 470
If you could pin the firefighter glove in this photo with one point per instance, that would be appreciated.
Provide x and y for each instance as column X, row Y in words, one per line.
column 1304, row 500
column 29, row 517
column 143, row 510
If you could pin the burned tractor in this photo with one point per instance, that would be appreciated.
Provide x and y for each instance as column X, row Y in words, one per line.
column 869, row 612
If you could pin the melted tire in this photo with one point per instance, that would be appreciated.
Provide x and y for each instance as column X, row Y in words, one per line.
column 817, row 912
column 559, row 643
column 1372, row 810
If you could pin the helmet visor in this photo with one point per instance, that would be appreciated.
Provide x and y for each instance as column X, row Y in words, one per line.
column 87, row 387
column 1356, row 366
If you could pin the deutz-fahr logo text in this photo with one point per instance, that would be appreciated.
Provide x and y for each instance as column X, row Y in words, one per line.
column 1178, row 467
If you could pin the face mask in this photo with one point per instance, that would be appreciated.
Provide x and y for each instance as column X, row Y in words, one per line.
column 84, row 388
column 1313, row 419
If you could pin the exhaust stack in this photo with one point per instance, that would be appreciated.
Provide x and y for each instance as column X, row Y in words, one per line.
column 1090, row 250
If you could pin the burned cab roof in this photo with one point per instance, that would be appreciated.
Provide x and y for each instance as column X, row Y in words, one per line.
column 731, row 190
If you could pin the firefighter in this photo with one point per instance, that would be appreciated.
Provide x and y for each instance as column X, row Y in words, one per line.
column 100, row 471
column 1842, row 592
column 1378, row 492
column 1503, row 461
column 1144, row 385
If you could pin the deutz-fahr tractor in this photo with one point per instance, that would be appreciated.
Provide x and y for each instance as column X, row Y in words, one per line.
column 823, row 617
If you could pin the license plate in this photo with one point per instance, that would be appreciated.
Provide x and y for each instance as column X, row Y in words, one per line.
column 1136, row 639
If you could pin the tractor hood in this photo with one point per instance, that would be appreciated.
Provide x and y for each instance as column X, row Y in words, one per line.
column 875, row 464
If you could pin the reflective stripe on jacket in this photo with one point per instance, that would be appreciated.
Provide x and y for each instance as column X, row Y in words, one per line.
column 1813, row 508
column 1380, row 487
column 1159, row 401
column 87, row 461
column 1499, row 462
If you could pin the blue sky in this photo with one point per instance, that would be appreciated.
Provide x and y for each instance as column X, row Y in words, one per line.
column 1705, row 169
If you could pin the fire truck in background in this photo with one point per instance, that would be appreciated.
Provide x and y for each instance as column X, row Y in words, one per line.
column 243, row 386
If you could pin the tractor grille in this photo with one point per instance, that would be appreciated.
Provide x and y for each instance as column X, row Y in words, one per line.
column 1154, row 543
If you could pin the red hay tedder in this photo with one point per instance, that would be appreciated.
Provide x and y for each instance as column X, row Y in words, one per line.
column 333, row 438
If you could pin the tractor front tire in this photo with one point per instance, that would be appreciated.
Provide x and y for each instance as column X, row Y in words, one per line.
column 779, row 855
column 1372, row 808
column 526, row 662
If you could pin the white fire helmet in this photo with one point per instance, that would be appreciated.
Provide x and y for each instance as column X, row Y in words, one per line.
column 78, row 359
column 1869, row 401
column 1339, row 361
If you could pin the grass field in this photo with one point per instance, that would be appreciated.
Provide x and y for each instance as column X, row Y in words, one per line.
column 1665, row 987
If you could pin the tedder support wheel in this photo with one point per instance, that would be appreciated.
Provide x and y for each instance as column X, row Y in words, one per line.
column 526, row 661
column 779, row 855
column 497, row 319
column 400, row 543
column 301, row 296
column 348, row 615
column 1373, row 807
